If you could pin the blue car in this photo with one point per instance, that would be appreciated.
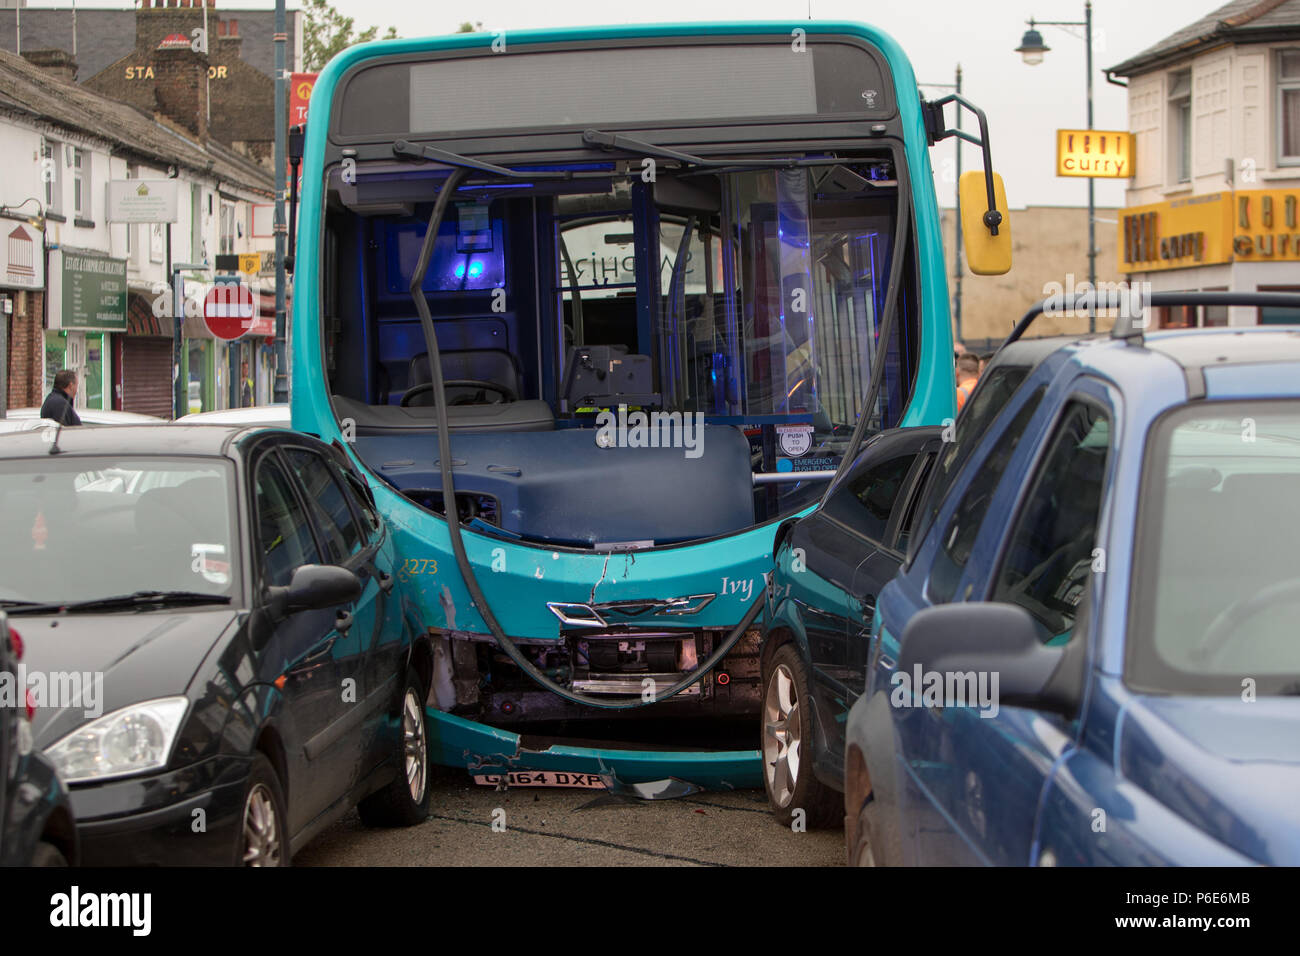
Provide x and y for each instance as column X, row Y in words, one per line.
column 1088, row 656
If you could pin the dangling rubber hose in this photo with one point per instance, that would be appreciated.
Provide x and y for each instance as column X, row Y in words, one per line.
column 453, row 521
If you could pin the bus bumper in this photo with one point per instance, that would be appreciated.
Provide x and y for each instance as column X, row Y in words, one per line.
column 457, row 742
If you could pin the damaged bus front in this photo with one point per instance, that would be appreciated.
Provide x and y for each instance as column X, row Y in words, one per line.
column 617, row 302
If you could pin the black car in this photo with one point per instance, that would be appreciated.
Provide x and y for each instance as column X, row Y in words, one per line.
column 36, row 827
column 829, row 567
column 217, row 607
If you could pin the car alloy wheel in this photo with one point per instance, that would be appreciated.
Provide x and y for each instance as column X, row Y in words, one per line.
column 261, row 828
column 782, row 745
column 414, row 746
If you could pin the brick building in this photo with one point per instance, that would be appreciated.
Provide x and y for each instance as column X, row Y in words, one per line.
column 81, row 291
column 121, row 53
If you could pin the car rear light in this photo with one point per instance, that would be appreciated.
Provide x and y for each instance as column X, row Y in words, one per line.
column 16, row 641
column 31, row 704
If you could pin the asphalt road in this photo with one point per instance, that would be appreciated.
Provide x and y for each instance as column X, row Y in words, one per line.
column 541, row 827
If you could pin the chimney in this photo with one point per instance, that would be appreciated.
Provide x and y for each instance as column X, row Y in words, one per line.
column 58, row 63
column 156, row 22
column 179, row 87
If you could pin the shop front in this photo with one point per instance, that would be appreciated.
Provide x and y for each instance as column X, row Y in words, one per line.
column 87, row 304
column 1244, row 240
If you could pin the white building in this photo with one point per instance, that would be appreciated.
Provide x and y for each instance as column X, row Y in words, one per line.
column 103, row 308
column 1215, row 112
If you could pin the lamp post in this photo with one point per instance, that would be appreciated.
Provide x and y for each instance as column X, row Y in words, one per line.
column 956, row 209
column 1032, row 49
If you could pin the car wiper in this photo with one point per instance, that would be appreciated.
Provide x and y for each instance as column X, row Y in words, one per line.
column 8, row 603
column 637, row 147
column 126, row 602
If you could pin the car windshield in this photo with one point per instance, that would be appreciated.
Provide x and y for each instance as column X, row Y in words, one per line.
column 80, row 529
column 1218, row 582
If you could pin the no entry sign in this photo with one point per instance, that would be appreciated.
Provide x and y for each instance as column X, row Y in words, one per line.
column 229, row 310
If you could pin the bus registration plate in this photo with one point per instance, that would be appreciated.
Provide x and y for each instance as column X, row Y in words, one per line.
column 525, row 778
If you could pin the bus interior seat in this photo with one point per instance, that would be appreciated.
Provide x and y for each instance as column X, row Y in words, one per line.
column 484, row 365
column 524, row 416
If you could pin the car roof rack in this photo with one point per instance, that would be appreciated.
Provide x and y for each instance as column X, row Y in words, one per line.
column 1133, row 304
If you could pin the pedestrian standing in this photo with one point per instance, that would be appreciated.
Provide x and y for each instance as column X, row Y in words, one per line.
column 968, row 373
column 58, row 404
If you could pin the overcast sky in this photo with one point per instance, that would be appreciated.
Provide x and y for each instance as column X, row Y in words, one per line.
column 1025, row 104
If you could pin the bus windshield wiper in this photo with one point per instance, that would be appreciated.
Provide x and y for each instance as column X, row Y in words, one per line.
column 126, row 602
column 409, row 150
column 637, row 147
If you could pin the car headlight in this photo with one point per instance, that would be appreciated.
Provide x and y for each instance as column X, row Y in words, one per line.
column 132, row 740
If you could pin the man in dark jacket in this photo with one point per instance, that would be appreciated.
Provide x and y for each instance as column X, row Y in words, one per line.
column 58, row 404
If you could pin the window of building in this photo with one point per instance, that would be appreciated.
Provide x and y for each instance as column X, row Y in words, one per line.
column 227, row 222
column 1288, row 107
column 52, row 175
column 1278, row 315
column 1180, row 126
column 81, row 207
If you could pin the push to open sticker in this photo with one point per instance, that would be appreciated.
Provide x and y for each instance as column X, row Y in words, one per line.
column 209, row 561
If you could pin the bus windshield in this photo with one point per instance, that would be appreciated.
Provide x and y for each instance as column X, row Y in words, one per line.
column 749, row 299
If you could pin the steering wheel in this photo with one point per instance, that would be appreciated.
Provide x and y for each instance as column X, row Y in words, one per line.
column 507, row 394
column 1228, row 623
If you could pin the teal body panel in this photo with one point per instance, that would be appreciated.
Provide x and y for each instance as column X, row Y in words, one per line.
column 457, row 742
column 519, row 578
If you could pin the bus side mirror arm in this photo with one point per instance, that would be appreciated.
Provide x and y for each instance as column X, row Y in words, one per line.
column 296, row 136
column 936, row 130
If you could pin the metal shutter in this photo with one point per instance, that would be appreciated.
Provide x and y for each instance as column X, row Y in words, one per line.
column 147, row 375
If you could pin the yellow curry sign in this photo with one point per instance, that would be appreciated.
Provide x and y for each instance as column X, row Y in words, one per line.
column 1095, row 153
column 1250, row 225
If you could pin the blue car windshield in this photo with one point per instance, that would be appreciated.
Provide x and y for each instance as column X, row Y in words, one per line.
column 1218, row 581
column 82, row 528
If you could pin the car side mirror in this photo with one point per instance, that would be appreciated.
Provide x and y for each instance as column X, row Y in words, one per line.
column 312, row 587
column 1000, row 647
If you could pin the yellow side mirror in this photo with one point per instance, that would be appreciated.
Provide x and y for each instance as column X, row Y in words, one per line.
column 986, row 254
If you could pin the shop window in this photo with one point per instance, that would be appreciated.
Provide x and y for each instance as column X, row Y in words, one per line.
column 1214, row 316
column 1288, row 107
column 1273, row 315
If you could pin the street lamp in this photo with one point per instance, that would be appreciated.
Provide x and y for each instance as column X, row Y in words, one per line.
column 1031, row 46
column 1032, row 49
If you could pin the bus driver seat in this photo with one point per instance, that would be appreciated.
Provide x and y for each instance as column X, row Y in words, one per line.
column 470, row 377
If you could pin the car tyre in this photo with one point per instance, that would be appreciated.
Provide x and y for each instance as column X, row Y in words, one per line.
column 47, row 854
column 877, row 843
column 263, row 828
column 405, row 801
column 788, row 744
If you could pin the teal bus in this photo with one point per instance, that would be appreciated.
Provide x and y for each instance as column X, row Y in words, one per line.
column 593, row 311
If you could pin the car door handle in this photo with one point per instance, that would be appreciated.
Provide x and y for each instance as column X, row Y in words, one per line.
column 343, row 621
column 386, row 581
